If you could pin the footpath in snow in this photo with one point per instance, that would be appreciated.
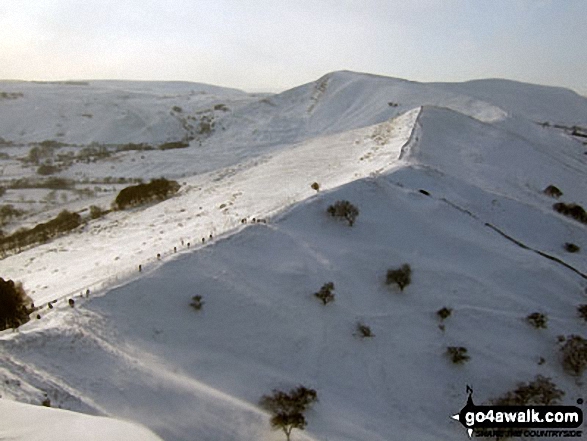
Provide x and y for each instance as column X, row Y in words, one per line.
column 108, row 251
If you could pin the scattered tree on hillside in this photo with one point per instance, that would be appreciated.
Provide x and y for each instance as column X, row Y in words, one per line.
column 444, row 313
column 537, row 319
column 572, row 248
column 574, row 352
column 325, row 294
column 287, row 408
column 10, row 96
column 96, row 212
column 540, row 392
column 41, row 233
column 47, row 169
column 156, row 190
column 582, row 310
column 364, row 331
column 571, row 210
column 8, row 212
column 553, row 191
column 402, row 276
column 344, row 210
column 15, row 305
column 315, row 186
column 457, row 354
column 197, row 302
column 44, row 150
column 174, row 145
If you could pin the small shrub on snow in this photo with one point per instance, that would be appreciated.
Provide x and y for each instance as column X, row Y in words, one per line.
column 96, row 212
column 582, row 310
column 457, row 354
column 364, row 331
column 8, row 212
column 325, row 294
column 553, row 191
column 571, row 210
column 537, row 319
column 572, row 248
column 15, row 305
column 540, row 392
column 315, row 186
column 221, row 107
column 10, row 95
column 197, row 302
column 287, row 408
column 402, row 276
column 444, row 313
column 344, row 210
column 47, row 169
column 574, row 352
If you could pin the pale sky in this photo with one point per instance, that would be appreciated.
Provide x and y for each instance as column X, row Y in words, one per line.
column 273, row 45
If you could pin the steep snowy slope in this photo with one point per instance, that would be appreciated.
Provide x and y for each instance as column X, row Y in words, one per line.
column 110, row 249
column 518, row 164
column 490, row 170
column 140, row 352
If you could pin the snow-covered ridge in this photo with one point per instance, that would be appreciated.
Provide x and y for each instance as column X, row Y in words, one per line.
column 110, row 249
column 120, row 112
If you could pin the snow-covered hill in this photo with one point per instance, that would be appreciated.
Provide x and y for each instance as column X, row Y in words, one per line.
column 226, row 126
column 109, row 112
column 535, row 102
column 447, row 178
column 35, row 423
